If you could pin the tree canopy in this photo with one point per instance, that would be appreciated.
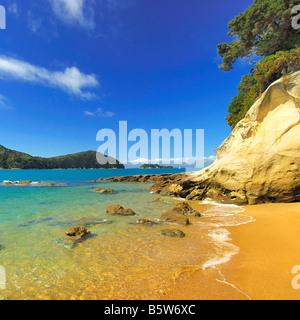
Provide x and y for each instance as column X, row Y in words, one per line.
column 263, row 29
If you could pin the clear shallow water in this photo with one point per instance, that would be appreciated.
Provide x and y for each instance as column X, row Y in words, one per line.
column 119, row 260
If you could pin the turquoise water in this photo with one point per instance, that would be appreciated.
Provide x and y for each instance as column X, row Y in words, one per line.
column 119, row 260
column 42, row 263
column 75, row 175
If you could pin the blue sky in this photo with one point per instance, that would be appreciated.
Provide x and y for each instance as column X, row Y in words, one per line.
column 69, row 68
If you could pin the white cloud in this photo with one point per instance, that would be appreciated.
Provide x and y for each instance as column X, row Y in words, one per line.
column 89, row 114
column 100, row 113
column 74, row 12
column 70, row 80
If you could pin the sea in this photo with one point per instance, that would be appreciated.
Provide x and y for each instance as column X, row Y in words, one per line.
column 119, row 260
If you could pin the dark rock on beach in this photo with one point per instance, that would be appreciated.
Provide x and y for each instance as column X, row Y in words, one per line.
column 185, row 209
column 173, row 217
column 119, row 210
column 79, row 231
column 179, row 214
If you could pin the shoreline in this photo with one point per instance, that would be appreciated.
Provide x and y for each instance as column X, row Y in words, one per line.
column 268, row 249
column 258, row 265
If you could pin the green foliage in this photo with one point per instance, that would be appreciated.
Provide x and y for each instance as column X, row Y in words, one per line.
column 10, row 159
column 254, row 84
column 263, row 29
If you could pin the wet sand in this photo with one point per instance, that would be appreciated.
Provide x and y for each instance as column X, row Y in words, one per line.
column 269, row 248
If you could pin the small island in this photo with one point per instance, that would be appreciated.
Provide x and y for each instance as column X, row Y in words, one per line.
column 155, row 166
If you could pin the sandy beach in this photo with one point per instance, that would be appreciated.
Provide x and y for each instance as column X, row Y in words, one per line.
column 262, row 269
column 269, row 249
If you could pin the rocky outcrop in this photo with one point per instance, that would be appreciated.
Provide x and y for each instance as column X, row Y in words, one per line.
column 116, row 209
column 139, row 178
column 185, row 209
column 260, row 161
column 78, row 231
column 173, row 217
column 180, row 213
column 21, row 183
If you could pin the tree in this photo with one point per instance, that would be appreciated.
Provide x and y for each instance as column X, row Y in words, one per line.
column 263, row 29
column 266, row 71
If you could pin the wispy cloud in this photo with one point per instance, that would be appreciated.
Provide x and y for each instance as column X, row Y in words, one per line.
column 4, row 103
column 184, row 161
column 14, row 9
column 99, row 113
column 34, row 23
column 74, row 12
column 71, row 80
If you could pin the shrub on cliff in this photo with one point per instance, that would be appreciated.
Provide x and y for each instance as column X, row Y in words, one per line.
column 254, row 84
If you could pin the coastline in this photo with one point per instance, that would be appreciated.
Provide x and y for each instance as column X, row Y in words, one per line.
column 257, row 250
column 269, row 249
column 262, row 268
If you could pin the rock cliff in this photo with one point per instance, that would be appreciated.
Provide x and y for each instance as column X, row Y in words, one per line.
column 259, row 162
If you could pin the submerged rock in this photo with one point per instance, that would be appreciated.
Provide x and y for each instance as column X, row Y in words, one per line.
column 79, row 231
column 173, row 233
column 158, row 200
column 103, row 190
column 35, row 222
column 144, row 222
column 85, row 222
column 119, row 210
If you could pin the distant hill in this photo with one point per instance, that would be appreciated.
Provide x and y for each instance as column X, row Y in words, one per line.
column 155, row 166
column 10, row 159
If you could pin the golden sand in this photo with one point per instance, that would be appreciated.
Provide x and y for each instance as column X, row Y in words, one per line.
column 269, row 248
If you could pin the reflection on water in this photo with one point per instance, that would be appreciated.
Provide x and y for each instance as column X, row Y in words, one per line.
column 120, row 260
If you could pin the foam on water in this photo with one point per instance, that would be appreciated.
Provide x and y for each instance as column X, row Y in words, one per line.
column 218, row 217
